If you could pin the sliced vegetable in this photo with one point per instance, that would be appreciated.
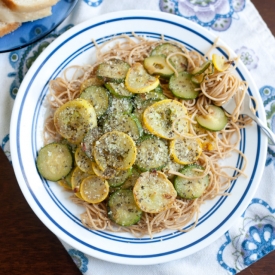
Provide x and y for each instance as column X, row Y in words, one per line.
column 171, row 165
column 122, row 208
column 131, row 180
column 54, row 161
column 215, row 120
column 94, row 189
column 201, row 69
column 89, row 140
column 153, row 192
column 185, row 150
column 179, row 62
column 74, row 119
column 108, row 173
column 120, row 106
column 182, row 86
column 82, row 161
column 120, row 178
column 194, row 187
column 156, row 65
column 118, row 89
column 139, row 81
column 152, row 153
column 113, row 70
column 98, row 97
column 220, row 63
column 123, row 123
column 92, row 81
column 115, row 149
column 160, row 116
column 77, row 176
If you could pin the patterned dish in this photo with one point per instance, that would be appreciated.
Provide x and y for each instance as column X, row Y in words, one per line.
column 31, row 32
column 52, row 204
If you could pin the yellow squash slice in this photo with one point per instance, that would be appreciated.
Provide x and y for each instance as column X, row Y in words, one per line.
column 108, row 173
column 82, row 161
column 139, row 81
column 153, row 192
column 74, row 119
column 115, row 149
column 94, row 189
column 185, row 150
column 160, row 116
column 77, row 176
column 220, row 63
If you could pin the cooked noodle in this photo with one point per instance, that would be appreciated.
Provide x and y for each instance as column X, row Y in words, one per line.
column 216, row 88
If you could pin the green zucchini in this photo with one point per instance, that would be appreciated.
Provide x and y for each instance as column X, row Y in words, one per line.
column 99, row 98
column 120, row 178
column 120, row 105
column 182, row 86
column 118, row 89
column 152, row 154
column 179, row 62
column 191, row 188
column 202, row 68
column 122, row 208
column 54, row 161
column 215, row 120
column 157, row 65
column 89, row 140
column 131, row 180
column 125, row 123
column 113, row 70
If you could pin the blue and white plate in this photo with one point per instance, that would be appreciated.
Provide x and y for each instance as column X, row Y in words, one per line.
column 31, row 32
column 52, row 204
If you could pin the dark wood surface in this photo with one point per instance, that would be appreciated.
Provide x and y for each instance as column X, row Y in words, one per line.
column 28, row 247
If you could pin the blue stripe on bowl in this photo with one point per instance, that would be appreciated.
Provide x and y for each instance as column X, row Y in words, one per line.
column 61, row 206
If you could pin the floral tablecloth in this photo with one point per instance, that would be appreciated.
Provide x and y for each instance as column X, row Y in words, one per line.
column 238, row 23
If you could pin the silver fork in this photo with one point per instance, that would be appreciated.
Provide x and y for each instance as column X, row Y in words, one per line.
column 229, row 107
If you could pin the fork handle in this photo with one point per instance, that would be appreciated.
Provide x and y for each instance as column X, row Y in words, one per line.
column 265, row 129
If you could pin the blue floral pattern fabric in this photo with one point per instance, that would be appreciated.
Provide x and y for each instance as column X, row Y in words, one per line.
column 216, row 14
column 253, row 235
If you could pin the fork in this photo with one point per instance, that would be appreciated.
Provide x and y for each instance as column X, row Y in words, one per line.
column 230, row 105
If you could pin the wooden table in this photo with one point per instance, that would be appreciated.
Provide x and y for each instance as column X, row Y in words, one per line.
column 28, row 247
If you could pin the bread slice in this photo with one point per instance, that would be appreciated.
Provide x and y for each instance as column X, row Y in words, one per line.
column 28, row 5
column 9, row 16
column 6, row 28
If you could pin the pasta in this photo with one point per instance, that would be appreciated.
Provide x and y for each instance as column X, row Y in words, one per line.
column 216, row 88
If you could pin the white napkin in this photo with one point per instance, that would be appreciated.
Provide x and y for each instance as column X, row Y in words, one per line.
column 237, row 23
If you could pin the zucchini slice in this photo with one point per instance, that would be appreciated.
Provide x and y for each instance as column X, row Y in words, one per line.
column 156, row 65
column 98, row 97
column 92, row 81
column 74, row 119
column 153, row 192
column 215, row 120
column 152, row 154
column 179, row 62
column 89, row 140
column 171, row 165
column 202, row 68
column 54, row 161
column 94, row 189
column 77, row 176
column 82, row 161
column 139, row 81
column 127, row 124
column 160, row 116
column 140, row 108
column 120, row 178
column 108, row 173
column 220, row 63
column 182, row 86
column 131, row 180
column 120, row 105
column 191, row 188
column 122, row 208
column 185, row 150
column 113, row 70
column 152, row 95
column 115, row 149
column 118, row 89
